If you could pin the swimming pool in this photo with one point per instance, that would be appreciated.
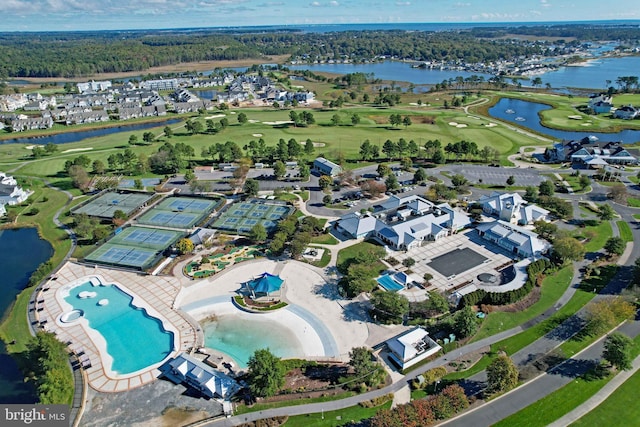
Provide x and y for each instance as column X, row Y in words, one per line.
column 387, row 282
column 134, row 339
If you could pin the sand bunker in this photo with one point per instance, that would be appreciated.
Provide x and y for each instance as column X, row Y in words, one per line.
column 461, row 125
column 281, row 122
column 216, row 116
column 575, row 117
column 257, row 135
column 71, row 150
column 31, row 147
column 453, row 123
column 254, row 121
column 490, row 125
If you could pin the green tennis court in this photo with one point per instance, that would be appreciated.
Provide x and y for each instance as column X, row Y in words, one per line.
column 127, row 256
column 178, row 212
column 104, row 205
column 241, row 217
column 146, row 237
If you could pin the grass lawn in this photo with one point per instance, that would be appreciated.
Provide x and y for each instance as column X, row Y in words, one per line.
column 573, row 181
column 304, row 195
column 242, row 409
column 598, row 234
column 552, row 288
column 633, row 202
column 625, row 231
column 351, row 252
column 335, row 418
column 325, row 239
column 287, row 197
column 562, row 401
column 324, row 260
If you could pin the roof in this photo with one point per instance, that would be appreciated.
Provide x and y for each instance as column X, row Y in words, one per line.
column 265, row 284
column 411, row 343
column 204, row 378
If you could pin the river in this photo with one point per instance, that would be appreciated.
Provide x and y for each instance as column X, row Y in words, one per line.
column 525, row 113
column 75, row 136
column 21, row 251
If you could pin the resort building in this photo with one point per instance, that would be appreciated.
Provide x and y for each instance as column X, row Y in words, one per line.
column 411, row 347
column 326, row 167
column 10, row 193
column 162, row 84
column 591, row 153
column 515, row 239
column 404, row 223
column 94, row 86
column 512, row 208
column 200, row 376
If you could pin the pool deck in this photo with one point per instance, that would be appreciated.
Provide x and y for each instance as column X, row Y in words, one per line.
column 150, row 292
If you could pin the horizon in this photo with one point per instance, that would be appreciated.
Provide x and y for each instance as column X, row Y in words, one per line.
column 141, row 15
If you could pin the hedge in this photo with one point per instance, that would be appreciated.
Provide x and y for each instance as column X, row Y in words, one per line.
column 503, row 298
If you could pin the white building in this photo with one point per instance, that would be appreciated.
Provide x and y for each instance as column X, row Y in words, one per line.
column 93, row 86
column 200, row 376
column 512, row 208
column 411, row 347
column 515, row 239
column 10, row 193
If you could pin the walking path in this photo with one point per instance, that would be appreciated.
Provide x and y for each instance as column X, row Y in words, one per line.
column 599, row 397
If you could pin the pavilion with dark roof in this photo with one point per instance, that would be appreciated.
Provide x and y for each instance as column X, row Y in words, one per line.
column 265, row 285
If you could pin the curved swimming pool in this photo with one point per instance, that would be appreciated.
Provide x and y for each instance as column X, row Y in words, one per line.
column 134, row 339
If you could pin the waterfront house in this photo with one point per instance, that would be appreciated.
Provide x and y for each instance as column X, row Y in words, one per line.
column 628, row 112
column 10, row 193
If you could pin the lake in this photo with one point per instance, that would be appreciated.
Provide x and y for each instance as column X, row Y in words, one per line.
column 75, row 136
column 593, row 74
column 525, row 113
column 22, row 252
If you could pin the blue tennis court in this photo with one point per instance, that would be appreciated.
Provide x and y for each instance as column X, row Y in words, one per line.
column 123, row 255
column 241, row 217
column 146, row 237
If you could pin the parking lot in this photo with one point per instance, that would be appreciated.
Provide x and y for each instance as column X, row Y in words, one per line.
column 498, row 176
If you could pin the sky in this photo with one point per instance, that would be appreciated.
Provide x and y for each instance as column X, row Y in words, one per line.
column 70, row 15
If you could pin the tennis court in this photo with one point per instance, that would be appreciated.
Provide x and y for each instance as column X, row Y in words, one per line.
column 178, row 212
column 241, row 217
column 127, row 256
column 146, row 238
column 104, row 205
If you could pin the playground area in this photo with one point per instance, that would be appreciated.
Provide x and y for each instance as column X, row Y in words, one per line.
column 216, row 262
column 104, row 205
column 241, row 217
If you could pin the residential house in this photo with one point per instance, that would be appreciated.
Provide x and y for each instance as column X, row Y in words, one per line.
column 512, row 208
column 13, row 102
column 10, row 193
column 601, row 103
column 31, row 123
column 93, row 86
column 411, row 347
column 161, row 84
column 628, row 112
column 515, row 239
column 91, row 116
column 590, row 152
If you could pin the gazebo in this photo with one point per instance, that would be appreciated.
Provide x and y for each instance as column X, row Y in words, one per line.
column 264, row 285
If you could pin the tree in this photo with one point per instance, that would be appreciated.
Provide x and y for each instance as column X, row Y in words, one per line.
column 389, row 307
column 242, row 118
column 606, row 212
column 392, row 182
column 137, row 184
column 383, row 170
column 511, row 180
column 189, row 176
column 406, row 121
column 408, row 262
column 618, row 193
column 568, row 249
column 335, row 120
column 530, row 194
column 437, row 301
column 184, row 246
column 502, row 375
column 327, row 199
column 419, row 176
column 361, row 360
column 119, row 214
column 279, row 169
column 618, row 351
column 390, row 148
column 395, row 119
column 308, row 147
column 615, row 246
column 546, row 188
column 251, row 187
column 464, row 322
column 98, row 167
column 325, row 182
column 355, row 119
column 605, row 314
column 459, row 180
column 168, row 132
column 258, row 233
column 79, row 177
column 545, row 229
column 266, row 373
column 584, row 181
column 438, row 157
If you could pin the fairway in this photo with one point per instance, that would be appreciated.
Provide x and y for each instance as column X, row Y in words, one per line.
column 243, row 216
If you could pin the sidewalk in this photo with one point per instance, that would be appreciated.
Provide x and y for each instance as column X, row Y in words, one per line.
column 598, row 398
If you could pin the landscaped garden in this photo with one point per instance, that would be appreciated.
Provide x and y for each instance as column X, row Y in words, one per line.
column 219, row 260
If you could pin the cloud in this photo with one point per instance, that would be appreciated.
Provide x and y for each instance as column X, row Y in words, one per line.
column 332, row 3
column 403, row 3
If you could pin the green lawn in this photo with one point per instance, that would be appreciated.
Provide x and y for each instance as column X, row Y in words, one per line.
column 287, row 197
column 552, row 288
column 242, row 409
column 599, row 235
column 625, row 231
column 351, row 251
column 335, row 418
column 304, row 195
column 325, row 239
column 633, row 202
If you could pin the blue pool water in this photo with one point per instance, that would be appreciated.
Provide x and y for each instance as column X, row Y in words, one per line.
column 134, row 339
column 240, row 337
column 387, row 282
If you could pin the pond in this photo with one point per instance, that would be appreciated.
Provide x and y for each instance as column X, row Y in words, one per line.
column 525, row 114
column 22, row 252
column 75, row 136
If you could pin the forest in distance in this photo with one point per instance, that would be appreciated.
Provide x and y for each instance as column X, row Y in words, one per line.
column 78, row 54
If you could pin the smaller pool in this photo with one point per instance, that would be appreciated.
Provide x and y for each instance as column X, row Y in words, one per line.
column 387, row 282
column 71, row 316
